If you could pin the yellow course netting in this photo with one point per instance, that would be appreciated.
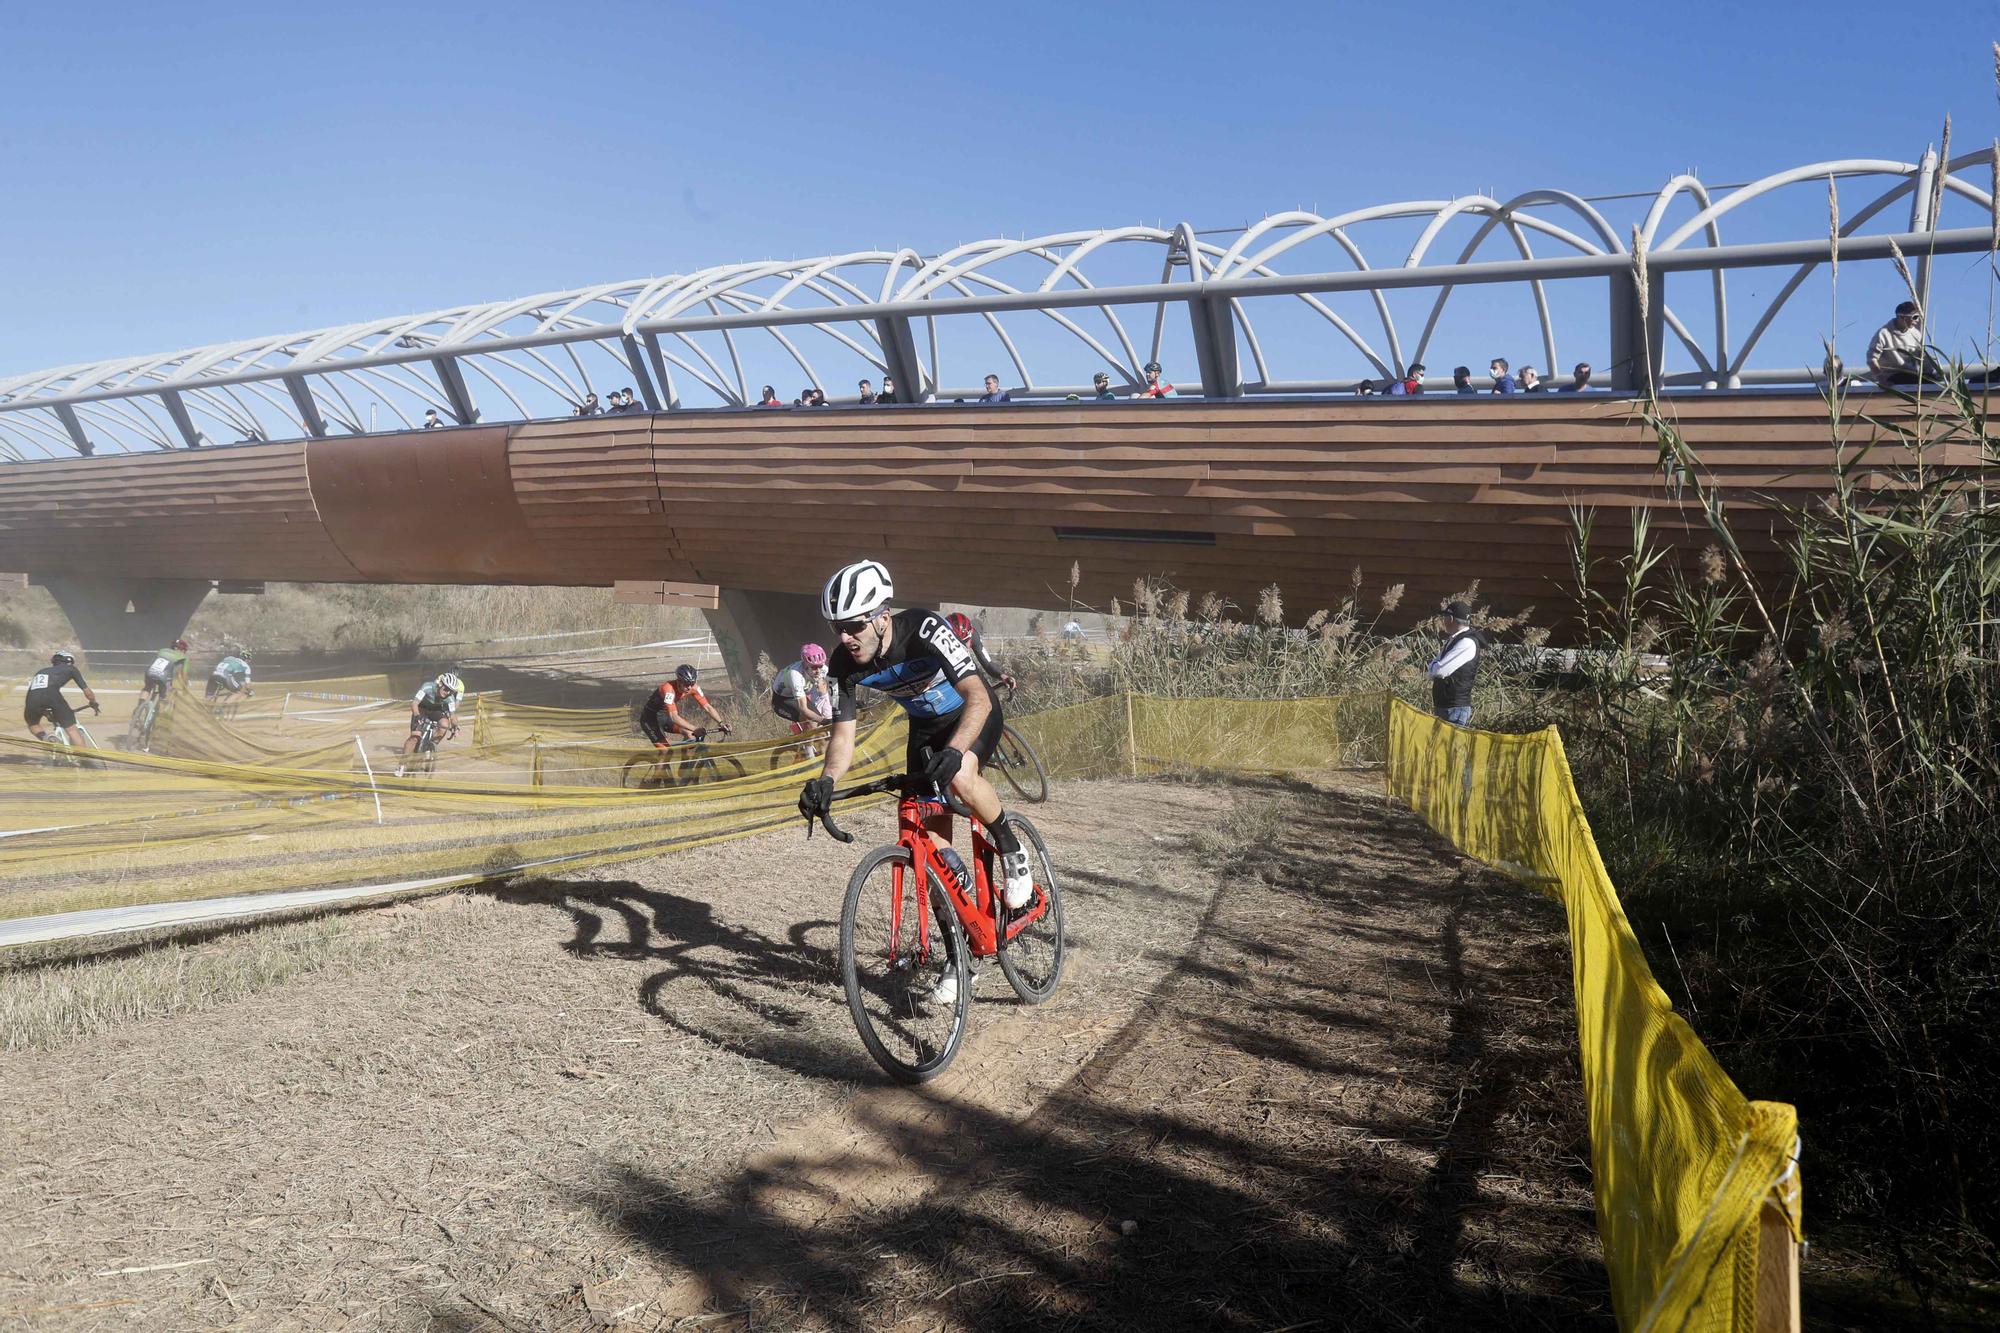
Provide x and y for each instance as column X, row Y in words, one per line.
column 116, row 828
column 1682, row 1162
column 1137, row 734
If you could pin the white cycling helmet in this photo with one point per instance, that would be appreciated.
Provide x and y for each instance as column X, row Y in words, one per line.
column 449, row 683
column 860, row 589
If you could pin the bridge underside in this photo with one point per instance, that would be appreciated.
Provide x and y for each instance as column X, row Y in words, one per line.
column 992, row 505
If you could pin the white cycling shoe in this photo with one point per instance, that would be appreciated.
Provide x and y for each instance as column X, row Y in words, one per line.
column 945, row 993
column 1020, row 879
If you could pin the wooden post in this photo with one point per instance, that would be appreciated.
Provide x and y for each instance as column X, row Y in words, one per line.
column 1131, row 739
column 1777, row 1271
column 535, row 742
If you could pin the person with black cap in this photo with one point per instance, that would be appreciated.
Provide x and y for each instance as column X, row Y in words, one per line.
column 1453, row 669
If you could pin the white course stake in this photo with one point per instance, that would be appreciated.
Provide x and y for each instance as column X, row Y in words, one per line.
column 370, row 770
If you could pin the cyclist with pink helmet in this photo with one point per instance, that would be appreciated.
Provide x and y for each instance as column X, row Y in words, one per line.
column 803, row 693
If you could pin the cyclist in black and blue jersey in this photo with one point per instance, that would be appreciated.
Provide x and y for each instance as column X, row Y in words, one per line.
column 915, row 658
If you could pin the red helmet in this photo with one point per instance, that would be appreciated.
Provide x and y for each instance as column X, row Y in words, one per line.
column 960, row 625
column 180, row 645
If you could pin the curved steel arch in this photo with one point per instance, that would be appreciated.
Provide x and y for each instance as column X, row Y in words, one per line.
column 867, row 303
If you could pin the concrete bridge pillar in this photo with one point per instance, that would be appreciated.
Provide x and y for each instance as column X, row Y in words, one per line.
column 118, row 612
column 777, row 623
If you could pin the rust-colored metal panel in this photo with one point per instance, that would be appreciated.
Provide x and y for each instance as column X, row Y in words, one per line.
column 418, row 509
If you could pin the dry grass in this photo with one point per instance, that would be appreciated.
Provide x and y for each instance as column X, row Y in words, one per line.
column 44, row 1006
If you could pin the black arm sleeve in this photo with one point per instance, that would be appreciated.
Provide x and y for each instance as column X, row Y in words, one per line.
column 984, row 658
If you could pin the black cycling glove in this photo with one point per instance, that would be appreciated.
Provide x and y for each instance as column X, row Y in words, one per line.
column 816, row 797
column 943, row 767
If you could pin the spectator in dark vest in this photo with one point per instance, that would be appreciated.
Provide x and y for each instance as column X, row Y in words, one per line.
column 867, row 398
column 1530, row 381
column 1100, row 386
column 431, row 419
column 888, row 394
column 1461, row 380
column 588, row 407
column 1452, row 671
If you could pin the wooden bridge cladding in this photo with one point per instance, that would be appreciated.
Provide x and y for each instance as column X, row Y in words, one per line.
column 963, row 503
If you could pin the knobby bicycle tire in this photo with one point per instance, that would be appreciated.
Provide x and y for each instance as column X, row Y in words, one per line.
column 956, row 963
column 1022, row 767
column 1032, row 961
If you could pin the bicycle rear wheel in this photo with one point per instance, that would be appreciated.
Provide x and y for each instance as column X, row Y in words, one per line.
column 139, row 732
column 1032, row 961
column 1017, row 760
column 890, row 970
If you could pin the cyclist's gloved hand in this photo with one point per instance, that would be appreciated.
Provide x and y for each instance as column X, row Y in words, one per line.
column 943, row 767
column 816, row 797
column 94, row 707
column 724, row 728
column 701, row 735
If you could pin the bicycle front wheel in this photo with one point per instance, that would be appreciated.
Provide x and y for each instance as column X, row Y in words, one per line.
column 1032, row 959
column 1017, row 759
column 641, row 771
column 892, row 970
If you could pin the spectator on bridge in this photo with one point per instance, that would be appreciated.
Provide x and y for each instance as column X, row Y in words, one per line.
column 1502, row 381
column 1410, row 384
column 431, row 419
column 1897, row 356
column 1580, row 379
column 1531, row 381
column 1461, row 380
column 994, row 393
column 888, row 394
column 1100, row 384
column 1452, row 671
column 588, row 407
column 1156, row 387
column 770, row 398
column 867, row 394
column 1364, row 389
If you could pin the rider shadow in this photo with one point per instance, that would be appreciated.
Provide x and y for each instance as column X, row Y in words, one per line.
column 727, row 984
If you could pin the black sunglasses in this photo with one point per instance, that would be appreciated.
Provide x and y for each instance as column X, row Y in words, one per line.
column 850, row 627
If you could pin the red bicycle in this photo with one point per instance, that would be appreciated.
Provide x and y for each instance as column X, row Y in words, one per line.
column 914, row 921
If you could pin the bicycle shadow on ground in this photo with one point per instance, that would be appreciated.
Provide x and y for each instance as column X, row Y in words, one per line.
column 1307, row 1124
column 777, row 1000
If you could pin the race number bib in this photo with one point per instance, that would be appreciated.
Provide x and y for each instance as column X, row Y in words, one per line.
column 159, row 667
column 39, row 681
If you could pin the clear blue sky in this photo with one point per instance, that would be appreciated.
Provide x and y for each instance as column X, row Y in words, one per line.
column 178, row 177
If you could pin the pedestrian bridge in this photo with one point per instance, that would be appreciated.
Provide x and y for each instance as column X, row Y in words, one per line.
column 119, row 486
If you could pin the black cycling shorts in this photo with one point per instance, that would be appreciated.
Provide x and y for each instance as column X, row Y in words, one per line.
column 417, row 720
column 216, row 685
column 937, row 732
column 50, row 704
column 786, row 707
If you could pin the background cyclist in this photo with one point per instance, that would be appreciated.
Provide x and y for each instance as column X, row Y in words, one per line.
column 914, row 657
column 661, row 717
column 436, row 702
column 968, row 634
column 170, row 662
column 231, row 676
column 45, row 697
column 802, row 694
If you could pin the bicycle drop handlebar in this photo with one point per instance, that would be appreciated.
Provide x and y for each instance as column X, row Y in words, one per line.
column 903, row 784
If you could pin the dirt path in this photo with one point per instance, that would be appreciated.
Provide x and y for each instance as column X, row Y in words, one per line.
column 1330, row 1083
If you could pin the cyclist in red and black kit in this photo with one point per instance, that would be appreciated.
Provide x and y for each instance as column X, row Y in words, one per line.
column 45, row 697
column 968, row 634
column 661, row 717
column 915, row 658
